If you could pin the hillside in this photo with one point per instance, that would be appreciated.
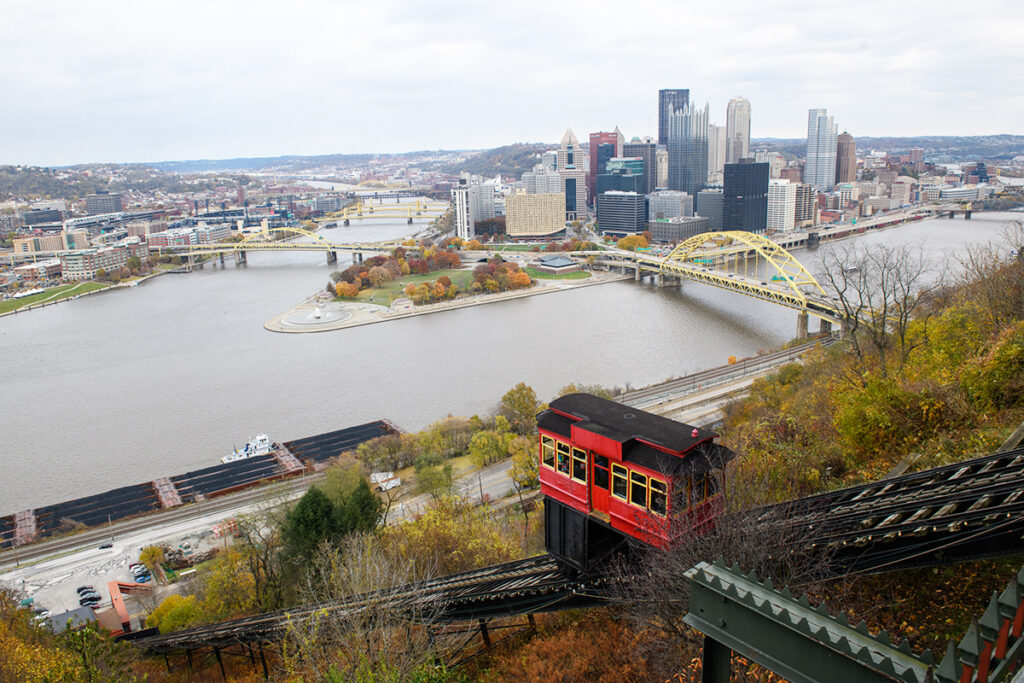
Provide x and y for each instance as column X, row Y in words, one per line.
column 510, row 160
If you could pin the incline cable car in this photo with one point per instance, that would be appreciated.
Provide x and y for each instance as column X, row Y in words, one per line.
column 614, row 476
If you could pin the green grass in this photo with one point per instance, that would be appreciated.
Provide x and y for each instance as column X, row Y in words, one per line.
column 575, row 275
column 53, row 294
column 392, row 290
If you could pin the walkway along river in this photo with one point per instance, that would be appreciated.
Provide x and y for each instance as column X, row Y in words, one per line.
column 170, row 375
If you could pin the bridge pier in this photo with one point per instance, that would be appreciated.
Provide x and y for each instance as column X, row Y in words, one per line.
column 636, row 274
column 222, row 258
column 801, row 325
column 967, row 215
column 826, row 327
column 952, row 215
column 409, row 220
column 347, row 222
column 660, row 279
column 332, row 257
column 240, row 257
column 358, row 257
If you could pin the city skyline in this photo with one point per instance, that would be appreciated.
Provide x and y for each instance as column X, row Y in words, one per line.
column 136, row 84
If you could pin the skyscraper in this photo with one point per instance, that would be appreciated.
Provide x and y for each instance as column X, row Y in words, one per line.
column 571, row 165
column 745, row 197
column 648, row 151
column 820, row 170
column 846, row 159
column 737, row 130
column 667, row 101
column 596, row 140
column 688, row 149
column 716, row 154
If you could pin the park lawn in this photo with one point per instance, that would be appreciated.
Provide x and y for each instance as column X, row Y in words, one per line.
column 575, row 275
column 392, row 290
column 53, row 294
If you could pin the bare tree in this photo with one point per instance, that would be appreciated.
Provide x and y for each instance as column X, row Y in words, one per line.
column 993, row 276
column 772, row 542
column 260, row 543
column 374, row 620
column 880, row 289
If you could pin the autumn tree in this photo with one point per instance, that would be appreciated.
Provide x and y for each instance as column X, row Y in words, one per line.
column 174, row 613
column 593, row 389
column 152, row 556
column 519, row 406
column 632, row 242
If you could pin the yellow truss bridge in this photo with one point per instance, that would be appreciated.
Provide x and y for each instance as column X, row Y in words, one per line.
column 747, row 263
column 358, row 211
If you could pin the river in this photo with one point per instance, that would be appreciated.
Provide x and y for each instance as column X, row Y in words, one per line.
column 167, row 377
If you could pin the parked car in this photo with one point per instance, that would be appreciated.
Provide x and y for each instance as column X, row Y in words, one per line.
column 85, row 589
column 106, row 545
column 89, row 601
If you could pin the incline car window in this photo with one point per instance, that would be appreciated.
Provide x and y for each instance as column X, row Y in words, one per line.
column 619, row 482
column 638, row 489
column 659, row 497
column 548, row 451
column 563, row 457
column 579, row 465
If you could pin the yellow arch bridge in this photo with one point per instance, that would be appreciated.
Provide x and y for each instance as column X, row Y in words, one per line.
column 420, row 210
column 742, row 262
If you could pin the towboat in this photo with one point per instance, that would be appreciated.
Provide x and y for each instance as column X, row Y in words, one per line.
column 259, row 445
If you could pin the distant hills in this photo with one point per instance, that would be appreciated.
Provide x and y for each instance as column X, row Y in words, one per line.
column 951, row 147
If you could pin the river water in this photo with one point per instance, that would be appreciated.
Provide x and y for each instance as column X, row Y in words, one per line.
column 167, row 377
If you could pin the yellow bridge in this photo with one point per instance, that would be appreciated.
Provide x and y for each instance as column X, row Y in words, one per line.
column 742, row 262
column 421, row 209
column 262, row 241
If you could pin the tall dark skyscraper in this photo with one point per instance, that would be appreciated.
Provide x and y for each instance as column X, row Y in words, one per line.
column 667, row 100
column 688, row 149
column 846, row 158
column 745, row 196
column 648, row 151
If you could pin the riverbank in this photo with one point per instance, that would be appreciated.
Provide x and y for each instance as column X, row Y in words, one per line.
column 302, row 318
column 66, row 295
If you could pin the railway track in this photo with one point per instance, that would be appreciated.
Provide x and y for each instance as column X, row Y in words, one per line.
column 666, row 391
column 518, row 587
column 958, row 512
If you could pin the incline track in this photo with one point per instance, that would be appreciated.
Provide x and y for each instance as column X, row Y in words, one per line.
column 519, row 587
column 958, row 512
column 968, row 510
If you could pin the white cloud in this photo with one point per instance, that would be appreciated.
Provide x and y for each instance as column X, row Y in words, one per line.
column 169, row 80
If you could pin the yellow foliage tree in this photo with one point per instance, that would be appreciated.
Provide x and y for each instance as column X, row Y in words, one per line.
column 632, row 242
column 174, row 613
column 452, row 536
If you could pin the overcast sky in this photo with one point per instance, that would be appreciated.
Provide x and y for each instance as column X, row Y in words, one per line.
column 146, row 80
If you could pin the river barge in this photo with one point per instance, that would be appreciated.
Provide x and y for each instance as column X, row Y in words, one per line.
column 289, row 459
